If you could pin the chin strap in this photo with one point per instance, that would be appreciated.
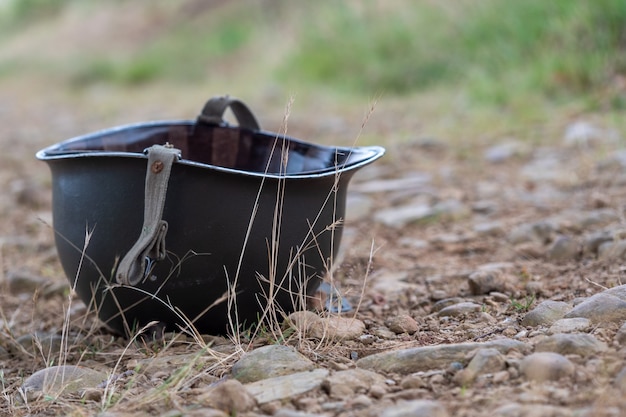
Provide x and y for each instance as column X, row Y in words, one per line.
column 150, row 246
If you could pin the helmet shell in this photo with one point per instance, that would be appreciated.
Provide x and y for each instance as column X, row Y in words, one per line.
column 252, row 216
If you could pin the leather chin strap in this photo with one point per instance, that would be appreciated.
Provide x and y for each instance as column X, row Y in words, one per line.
column 136, row 265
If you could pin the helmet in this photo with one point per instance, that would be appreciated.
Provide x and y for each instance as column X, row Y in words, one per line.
column 197, row 222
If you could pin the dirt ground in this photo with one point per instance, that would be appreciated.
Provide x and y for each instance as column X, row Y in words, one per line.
column 391, row 267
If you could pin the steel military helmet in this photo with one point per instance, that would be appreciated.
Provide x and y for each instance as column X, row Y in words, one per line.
column 197, row 222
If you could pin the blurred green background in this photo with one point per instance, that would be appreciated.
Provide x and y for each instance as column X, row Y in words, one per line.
column 498, row 63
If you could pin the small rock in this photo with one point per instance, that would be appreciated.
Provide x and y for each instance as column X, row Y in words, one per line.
column 446, row 302
column 564, row 248
column 337, row 328
column 592, row 242
column 41, row 343
column 531, row 410
column 620, row 336
column 504, row 151
column 612, row 250
column 399, row 217
column 546, row 366
column 415, row 408
column 286, row 386
column 600, row 308
column 493, row 229
column 412, row 381
column 270, row 361
column 485, row 361
column 229, row 396
column 620, row 380
column 345, row 384
column 572, row 325
column 540, row 232
column 485, row 281
column 408, row 361
column 459, row 309
column 358, row 206
column 57, row 380
column 571, row 344
column 21, row 282
column 402, row 323
column 546, row 313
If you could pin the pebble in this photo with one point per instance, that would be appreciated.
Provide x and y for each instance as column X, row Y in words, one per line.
column 600, row 308
column 41, row 343
column 546, row 313
column 485, row 361
column 229, row 396
column 286, row 386
column 620, row 336
column 531, row 232
column 415, row 408
column 21, row 282
column 426, row 358
column 531, row 410
column 620, row 380
column 270, row 361
column 564, row 248
column 443, row 303
column 546, row 366
column 402, row 323
column 581, row 344
column 592, row 242
column 337, row 328
column 493, row 229
column 504, row 151
column 459, row 309
column 343, row 384
column 485, row 281
column 571, row 325
column 401, row 216
column 358, row 206
column 612, row 250
column 58, row 380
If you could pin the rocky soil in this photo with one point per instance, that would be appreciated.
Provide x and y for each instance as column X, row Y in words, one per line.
column 484, row 280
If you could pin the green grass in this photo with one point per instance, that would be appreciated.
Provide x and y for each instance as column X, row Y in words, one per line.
column 494, row 51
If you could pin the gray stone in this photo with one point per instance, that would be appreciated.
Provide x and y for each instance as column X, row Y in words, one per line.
column 531, row 410
column 546, row 366
column 619, row 292
column 41, row 343
column 402, row 323
column 620, row 336
column 446, row 302
column 58, row 380
column 459, row 309
column 493, row 229
column 229, row 396
column 505, row 151
column 270, row 361
column 600, row 308
column 612, row 250
column 546, row 313
column 416, row 181
column 336, row 328
column 358, row 206
column 286, row 386
column 620, row 380
column 571, row 344
column 564, row 248
column 531, row 232
column 416, row 408
column 399, row 217
column 571, row 325
column 592, row 242
column 597, row 218
column 485, row 361
column 452, row 209
column 21, row 282
column 485, row 281
column 408, row 361
column 344, row 384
